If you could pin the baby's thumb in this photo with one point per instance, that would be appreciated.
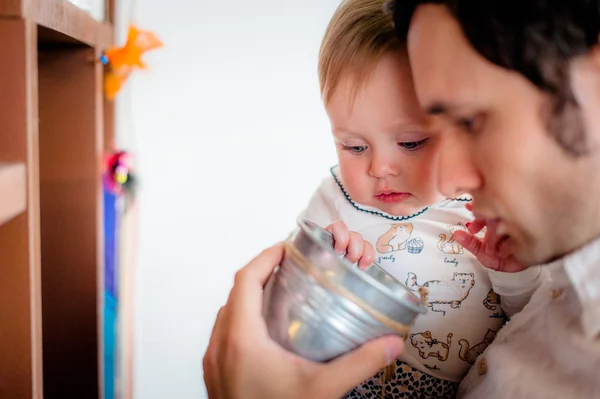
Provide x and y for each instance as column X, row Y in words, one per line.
column 470, row 242
column 346, row 372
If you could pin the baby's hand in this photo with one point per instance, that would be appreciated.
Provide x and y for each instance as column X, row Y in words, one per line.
column 492, row 251
column 352, row 244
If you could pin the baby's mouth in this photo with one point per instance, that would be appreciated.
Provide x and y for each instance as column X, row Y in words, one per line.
column 390, row 197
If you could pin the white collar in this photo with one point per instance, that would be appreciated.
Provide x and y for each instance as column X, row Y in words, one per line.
column 337, row 176
column 583, row 270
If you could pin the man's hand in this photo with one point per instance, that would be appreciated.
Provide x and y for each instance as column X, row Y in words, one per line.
column 493, row 251
column 242, row 361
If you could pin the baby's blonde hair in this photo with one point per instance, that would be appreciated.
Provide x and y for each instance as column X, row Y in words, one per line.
column 358, row 35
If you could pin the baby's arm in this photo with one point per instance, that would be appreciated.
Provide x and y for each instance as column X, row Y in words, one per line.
column 512, row 280
column 515, row 289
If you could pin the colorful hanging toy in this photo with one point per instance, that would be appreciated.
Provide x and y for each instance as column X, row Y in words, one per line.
column 118, row 176
column 123, row 60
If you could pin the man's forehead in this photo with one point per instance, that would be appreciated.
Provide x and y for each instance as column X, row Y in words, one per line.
column 439, row 56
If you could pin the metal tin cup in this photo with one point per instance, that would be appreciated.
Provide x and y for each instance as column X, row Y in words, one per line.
column 319, row 306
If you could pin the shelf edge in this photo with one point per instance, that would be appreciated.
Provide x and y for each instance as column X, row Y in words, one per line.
column 61, row 16
column 13, row 190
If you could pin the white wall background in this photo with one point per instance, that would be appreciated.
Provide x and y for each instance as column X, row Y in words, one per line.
column 231, row 140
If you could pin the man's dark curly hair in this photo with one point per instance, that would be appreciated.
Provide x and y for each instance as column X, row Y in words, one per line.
column 536, row 38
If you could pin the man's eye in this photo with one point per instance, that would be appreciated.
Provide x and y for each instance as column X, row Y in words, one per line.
column 356, row 149
column 466, row 123
column 412, row 145
column 470, row 124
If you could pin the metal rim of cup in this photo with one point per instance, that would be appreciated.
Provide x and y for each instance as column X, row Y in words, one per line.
column 308, row 227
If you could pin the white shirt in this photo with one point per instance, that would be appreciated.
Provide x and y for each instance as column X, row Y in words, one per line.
column 419, row 250
column 552, row 348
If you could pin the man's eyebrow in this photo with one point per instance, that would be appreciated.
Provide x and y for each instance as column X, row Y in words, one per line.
column 437, row 108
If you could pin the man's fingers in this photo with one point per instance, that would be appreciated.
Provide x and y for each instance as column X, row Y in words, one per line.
column 357, row 366
column 239, row 316
column 210, row 360
column 250, row 280
column 214, row 336
column 212, row 386
column 258, row 270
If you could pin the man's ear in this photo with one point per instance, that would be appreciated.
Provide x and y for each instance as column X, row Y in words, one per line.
column 595, row 53
column 585, row 77
column 585, row 84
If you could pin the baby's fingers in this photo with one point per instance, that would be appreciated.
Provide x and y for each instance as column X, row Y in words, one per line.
column 352, row 245
column 476, row 226
column 469, row 241
column 356, row 247
column 341, row 236
column 477, row 247
column 368, row 256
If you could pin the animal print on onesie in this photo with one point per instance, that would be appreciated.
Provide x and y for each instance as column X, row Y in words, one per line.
column 464, row 311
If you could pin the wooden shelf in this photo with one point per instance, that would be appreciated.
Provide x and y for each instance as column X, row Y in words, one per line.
column 60, row 20
column 52, row 137
column 70, row 148
column 13, row 199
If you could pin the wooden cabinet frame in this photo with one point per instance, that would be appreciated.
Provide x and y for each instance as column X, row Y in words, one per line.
column 55, row 126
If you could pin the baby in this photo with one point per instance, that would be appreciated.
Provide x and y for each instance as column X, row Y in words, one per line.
column 384, row 189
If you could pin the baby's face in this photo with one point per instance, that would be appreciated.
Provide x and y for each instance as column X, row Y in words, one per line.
column 386, row 154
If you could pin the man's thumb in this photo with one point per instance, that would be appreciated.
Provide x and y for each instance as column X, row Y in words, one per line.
column 343, row 374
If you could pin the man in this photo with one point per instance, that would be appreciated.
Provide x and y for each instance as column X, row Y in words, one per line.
column 516, row 87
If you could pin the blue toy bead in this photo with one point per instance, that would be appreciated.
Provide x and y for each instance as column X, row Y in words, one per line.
column 104, row 59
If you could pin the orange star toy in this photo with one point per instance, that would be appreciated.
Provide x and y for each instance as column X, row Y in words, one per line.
column 122, row 60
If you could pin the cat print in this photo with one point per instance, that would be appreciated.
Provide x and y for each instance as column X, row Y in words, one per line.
column 470, row 353
column 428, row 346
column 447, row 244
column 492, row 300
column 395, row 238
column 451, row 293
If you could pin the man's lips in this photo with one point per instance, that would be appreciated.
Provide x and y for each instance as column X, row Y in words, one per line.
column 492, row 222
column 483, row 215
column 391, row 197
column 495, row 225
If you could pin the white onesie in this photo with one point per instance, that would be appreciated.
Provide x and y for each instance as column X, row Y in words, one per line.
column 464, row 307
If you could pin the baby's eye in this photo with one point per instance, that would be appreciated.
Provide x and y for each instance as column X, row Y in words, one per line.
column 356, row 149
column 412, row 145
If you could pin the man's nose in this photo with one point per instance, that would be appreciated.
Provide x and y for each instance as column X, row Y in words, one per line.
column 457, row 173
